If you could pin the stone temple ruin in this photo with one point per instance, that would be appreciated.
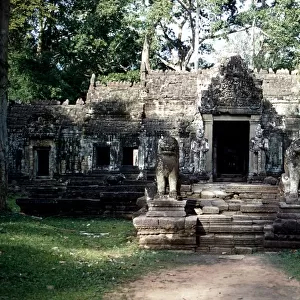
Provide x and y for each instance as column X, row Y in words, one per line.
column 233, row 128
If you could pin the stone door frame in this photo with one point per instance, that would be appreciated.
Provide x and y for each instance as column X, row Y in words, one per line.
column 208, row 121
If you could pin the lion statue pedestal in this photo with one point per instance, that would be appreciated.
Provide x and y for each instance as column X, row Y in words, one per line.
column 165, row 225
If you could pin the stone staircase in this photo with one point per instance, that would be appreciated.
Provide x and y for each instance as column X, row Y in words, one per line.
column 100, row 193
column 221, row 218
column 232, row 217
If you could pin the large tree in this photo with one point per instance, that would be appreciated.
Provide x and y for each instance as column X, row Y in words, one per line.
column 56, row 45
column 276, row 40
column 172, row 32
column 4, row 19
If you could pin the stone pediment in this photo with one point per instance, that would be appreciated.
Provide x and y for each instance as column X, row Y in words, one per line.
column 230, row 88
column 41, row 126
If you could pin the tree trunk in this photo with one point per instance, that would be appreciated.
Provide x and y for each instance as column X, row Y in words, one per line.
column 4, row 18
column 145, row 65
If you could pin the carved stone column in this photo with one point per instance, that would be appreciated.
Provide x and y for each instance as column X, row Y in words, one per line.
column 208, row 134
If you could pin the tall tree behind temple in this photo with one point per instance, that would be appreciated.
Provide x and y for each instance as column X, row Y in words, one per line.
column 171, row 28
column 56, row 45
column 4, row 19
column 277, row 45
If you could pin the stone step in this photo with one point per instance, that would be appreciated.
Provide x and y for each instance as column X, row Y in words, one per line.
column 105, row 188
column 259, row 208
column 251, row 188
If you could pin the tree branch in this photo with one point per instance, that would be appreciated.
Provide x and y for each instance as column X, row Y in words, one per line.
column 171, row 66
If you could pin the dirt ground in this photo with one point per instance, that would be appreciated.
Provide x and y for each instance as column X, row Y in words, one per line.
column 232, row 277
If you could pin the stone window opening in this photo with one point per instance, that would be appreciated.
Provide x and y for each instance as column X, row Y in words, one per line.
column 130, row 156
column 42, row 161
column 102, row 156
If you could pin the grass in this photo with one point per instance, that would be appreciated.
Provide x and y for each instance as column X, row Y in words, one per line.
column 289, row 261
column 82, row 258
column 70, row 258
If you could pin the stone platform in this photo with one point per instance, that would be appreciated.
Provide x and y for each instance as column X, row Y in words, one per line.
column 222, row 218
column 166, row 226
column 284, row 233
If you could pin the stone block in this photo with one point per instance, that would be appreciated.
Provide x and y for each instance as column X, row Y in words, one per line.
column 217, row 228
column 250, row 195
column 166, row 203
column 221, row 204
column 285, row 226
column 242, row 222
column 247, row 228
column 220, row 219
column 245, row 240
column 143, row 221
column 190, row 224
column 249, row 240
column 197, row 188
column 222, row 194
column 270, row 201
column 206, row 240
column 166, row 213
column 166, row 208
column 210, row 210
column 222, row 250
column 288, row 215
column 242, row 217
column 206, row 194
column 281, row 244
column 257, row 227
column 225, row 240
column 202, row 229
column 167, row 239
column 203, row 249
column 141, row 202
column 289, row 208
column 271, row 196
column 187, row 247
column 198, row 211
column 243, row 250
column 234, row 206
column 205, row 202
column 186, row 188
column 171, row 223
column 258, row 208
column 263, row 222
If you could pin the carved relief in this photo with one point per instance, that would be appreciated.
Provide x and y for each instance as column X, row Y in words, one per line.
column 233, row 88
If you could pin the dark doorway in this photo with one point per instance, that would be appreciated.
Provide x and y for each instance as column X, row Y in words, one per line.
column 231, row 150
column 19, row 154
column 43, row 161
column 102, row 156
column 128, row 156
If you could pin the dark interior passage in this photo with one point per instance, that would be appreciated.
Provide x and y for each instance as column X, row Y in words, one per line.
column 231, row 148
column 43, row 162
column 128, row 156
column 102, row 156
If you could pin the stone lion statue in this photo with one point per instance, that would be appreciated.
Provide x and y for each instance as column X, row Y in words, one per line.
column 167, row 167
column 290, row 179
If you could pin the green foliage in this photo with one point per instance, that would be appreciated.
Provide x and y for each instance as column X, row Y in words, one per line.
column 279, row 22
column 289, row 261
column 131, row 76
column 71, row 258
column 56, row 45
column 11, row 203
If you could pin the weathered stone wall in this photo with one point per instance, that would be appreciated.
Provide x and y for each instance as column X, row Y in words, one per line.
column 282, row 99
column 121, row 115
